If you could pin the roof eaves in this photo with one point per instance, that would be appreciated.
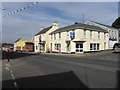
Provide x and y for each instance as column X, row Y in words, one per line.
column 42, row 31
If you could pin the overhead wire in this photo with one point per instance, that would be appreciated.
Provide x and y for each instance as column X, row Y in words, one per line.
column 21, row 9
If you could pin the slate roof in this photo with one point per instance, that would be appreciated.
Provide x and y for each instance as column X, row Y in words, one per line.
column 104, row 25
column 79, row 26
column 18, row 40
column 44, row 30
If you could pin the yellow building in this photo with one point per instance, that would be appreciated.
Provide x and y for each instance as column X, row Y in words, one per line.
column 24, row 45
column 79, row 38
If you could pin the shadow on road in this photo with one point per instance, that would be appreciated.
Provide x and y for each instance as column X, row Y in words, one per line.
column 59, row 80
column 14, row 55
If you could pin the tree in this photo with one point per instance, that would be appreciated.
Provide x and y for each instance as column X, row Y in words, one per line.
column 116, row 23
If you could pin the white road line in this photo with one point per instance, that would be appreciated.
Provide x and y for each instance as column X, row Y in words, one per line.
column 11, row 71
column 12, row 75
column 7, row 67
column 15, row 84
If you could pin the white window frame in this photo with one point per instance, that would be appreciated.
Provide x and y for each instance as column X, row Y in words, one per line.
column 94, row 48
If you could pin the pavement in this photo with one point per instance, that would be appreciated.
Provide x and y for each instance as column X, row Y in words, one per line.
column 76, row 54
column 48, row 70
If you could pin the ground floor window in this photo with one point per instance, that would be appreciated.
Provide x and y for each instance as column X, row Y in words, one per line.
column 79, row 47
column 57, row 46
column 97, row 46
column 94, row 46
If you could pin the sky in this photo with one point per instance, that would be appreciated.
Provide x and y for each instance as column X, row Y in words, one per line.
column 28, row 22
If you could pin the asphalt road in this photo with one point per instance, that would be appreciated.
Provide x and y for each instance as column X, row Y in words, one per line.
column 96, row 70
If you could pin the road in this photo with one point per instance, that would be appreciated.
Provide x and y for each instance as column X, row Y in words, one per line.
column 96, row 70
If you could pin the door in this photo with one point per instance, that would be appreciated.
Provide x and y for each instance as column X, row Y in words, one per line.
column 79, row 47
column 68, row 48
column 51, row 48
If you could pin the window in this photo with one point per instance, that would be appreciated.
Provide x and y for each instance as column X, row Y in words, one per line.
column 90, row 34
column 104, row 35
column 115, row 35
column 84, row 33
column 94, row 46
column 98, row 35
column 97, row 46
column 59, row 35
column 54, row 36
column 91, row 47
column 57, row 46
column 79, row 47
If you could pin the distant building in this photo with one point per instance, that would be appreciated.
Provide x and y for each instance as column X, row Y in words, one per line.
column 113, row 32
column 24, row 45
column 79, row 38
column 6, row 46
column 18, row 40
column 42, row 38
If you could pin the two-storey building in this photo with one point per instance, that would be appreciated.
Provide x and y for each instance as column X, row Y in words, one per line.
column 42, row 38
column 79, row 38
column 113, row 33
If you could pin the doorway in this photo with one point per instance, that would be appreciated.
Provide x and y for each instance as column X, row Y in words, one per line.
column 79, row 47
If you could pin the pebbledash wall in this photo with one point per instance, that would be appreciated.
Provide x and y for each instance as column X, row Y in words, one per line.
column 79, row 38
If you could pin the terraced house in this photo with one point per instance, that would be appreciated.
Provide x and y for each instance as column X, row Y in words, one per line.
column 79, row 38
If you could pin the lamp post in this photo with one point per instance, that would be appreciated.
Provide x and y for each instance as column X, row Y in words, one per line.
column 40, row 42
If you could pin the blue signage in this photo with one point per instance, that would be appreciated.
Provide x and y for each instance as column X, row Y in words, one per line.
column 72, row 35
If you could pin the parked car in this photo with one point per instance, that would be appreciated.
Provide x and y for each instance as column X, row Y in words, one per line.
column 116, row 47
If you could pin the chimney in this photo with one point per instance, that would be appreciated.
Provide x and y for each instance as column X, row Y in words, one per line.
column 55, row 24
column 76, row 23
column 42, row 28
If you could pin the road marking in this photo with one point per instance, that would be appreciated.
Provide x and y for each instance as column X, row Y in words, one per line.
column 16, row 86
column 12, row 75
column 7, row 67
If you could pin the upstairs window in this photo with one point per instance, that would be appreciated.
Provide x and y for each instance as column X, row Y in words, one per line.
column 84, row 33
column 59, row 35
column 98, row 35
column 90, row 34
column 104, row 35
